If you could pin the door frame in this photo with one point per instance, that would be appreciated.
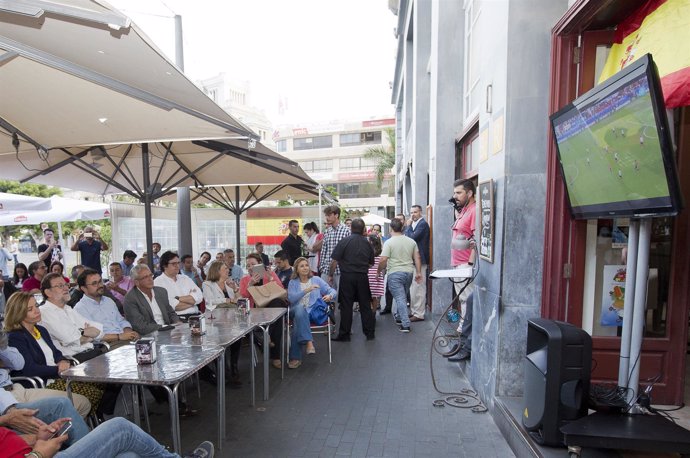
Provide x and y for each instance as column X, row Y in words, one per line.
column 564, row 241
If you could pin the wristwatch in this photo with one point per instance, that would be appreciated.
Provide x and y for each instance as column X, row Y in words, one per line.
column 470, row 263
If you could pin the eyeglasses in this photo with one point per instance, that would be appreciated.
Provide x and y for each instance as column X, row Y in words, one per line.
column 144, row 277
column 63, row 285
column 95, row 283
column 176, row 263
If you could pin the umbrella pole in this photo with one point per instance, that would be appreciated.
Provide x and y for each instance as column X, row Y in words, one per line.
column 147, row 204
column 318, row 217
column 237, row 222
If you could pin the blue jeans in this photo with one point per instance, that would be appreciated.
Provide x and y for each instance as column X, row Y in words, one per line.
column 119, row 438
column 399, row 284
column 301, row 333
column 51, row 409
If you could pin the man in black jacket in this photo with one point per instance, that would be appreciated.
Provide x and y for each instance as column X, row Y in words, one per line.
column 354, row 255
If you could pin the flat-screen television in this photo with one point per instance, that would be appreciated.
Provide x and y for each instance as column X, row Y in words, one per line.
column 615, row 148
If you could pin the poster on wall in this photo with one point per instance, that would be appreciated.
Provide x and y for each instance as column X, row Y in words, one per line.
column 486, row 215
column 613, row 294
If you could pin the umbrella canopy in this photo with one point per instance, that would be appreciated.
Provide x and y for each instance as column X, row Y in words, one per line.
column 17, row 203
column 374, row 219
column 154, row 169
column 62, row 209
column 81, row 74
column 240, row 198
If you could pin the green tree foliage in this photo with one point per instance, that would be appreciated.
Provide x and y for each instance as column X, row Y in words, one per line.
column 35, row 231
column 383, row 156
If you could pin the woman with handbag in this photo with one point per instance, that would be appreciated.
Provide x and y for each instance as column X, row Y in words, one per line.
column 41, row 358
column 305, row 293
column 219, row 289
column 263, row 288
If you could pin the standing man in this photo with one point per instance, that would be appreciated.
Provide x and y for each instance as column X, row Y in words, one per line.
column 127, row 262
column 89, row 245
column 334, row 234
column 400, row 256
column 354, row 255
column 5, row 257
column 37, row 270
column 418, row 230
column 376, row 230
column 155, row 249
column 49, row 251
column 259, row 247
column 465, row 210
column 236, row 272
column 293, row 245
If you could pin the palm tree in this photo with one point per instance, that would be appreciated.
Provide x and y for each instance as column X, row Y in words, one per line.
column 384, row 157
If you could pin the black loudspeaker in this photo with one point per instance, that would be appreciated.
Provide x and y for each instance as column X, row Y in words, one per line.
column 557, row 375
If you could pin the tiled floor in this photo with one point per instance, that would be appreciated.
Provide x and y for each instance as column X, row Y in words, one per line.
column 375, row 399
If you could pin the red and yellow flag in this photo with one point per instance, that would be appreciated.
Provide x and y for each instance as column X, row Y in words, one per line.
column 662, row 29
column 269, row 231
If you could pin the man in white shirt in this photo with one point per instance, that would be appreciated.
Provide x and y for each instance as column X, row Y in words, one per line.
column 146, row 305
column 183, row 294
column 72, row 334
column 96, row 307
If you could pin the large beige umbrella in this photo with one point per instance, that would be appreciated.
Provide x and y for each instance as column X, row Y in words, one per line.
column 81, row 74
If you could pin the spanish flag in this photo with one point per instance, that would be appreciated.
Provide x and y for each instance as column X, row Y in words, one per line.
column 662, row 29
column 269, row 231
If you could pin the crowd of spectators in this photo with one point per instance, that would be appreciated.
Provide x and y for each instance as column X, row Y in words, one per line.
column 54, row 321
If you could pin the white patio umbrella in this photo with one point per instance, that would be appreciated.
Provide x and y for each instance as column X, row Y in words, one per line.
column 374, row 219
column 16, row 202
column 62, row 209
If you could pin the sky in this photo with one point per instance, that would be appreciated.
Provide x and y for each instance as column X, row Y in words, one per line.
column 327, row 59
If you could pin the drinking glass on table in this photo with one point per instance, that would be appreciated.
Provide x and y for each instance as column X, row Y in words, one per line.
column 212, row 306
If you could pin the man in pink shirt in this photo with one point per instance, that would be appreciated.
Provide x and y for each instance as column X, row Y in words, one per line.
column 118, row 285
column 464, row 226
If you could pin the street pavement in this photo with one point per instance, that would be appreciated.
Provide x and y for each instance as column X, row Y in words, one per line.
column 375, row 399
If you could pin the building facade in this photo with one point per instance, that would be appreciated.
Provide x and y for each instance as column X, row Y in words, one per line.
column 236, row 98
column 474, row 86
column 333, row 155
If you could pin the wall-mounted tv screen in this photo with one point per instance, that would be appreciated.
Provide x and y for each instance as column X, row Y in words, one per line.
column 615, row 148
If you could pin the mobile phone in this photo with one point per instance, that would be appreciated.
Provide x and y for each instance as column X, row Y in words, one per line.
column 63, row 429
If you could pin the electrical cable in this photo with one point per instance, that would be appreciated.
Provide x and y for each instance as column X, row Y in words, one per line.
column 465, row 398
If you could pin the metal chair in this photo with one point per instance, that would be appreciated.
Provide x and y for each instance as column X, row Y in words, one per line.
column 35, row 382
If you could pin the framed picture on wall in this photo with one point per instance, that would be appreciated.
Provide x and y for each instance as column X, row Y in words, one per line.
column 485, row 193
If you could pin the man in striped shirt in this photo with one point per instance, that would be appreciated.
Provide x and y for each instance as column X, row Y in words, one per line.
column 334, row 234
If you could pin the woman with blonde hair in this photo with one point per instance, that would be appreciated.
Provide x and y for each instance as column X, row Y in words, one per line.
column 303, row 291
column 219, row 288
column 41, row 358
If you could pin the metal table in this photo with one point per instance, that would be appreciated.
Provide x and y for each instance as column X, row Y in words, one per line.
column 223, row 331
column 263, row 318
column 173, row 365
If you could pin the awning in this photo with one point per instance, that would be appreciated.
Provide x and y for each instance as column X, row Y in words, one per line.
column 61, row 209
column 15, row 203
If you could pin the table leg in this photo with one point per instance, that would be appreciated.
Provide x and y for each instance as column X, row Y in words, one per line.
column 68, row 388
column 284, row 353
column 220, row 371
column 135, row 404
column 267, row 340
column 174, row 417
column 252, row 366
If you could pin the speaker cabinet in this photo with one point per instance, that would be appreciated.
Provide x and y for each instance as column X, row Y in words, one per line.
column 557, row 376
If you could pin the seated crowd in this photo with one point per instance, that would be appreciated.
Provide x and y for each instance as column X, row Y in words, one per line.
column 82, row 317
